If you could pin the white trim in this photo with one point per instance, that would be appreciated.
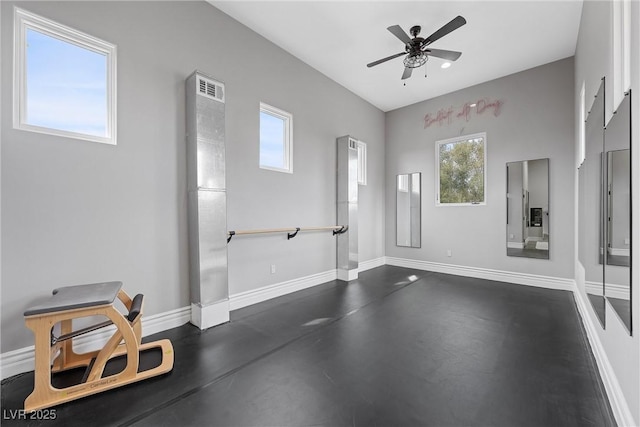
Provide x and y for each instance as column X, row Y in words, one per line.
column 22, row 360
column 288, row 137
column 461, row 138
column 210, row 315
column 619, row 251
column 544, row 246
column 362, row 162
column 621, row 49
column 371, row 263
column 347, row 275
column 593, row 288
column 486, row 273
column 619, row 405
column 24, row 20
column 244, row 299
column 581, row 127
column 515, row 245
column 533, row 239
column 616, row 291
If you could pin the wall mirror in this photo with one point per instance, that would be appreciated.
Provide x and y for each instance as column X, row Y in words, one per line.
column 528, row 209
column 408, row 214
column 617, row 257
column 591, row 206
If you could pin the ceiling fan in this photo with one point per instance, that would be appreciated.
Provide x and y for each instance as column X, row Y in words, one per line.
column 417, row 48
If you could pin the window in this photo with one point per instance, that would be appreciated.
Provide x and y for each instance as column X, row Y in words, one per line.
column 621, row 38
column 276, row 130
column 581, row 131
column 64, row 80
column 460, row 171
column 362, row 163
column 403, row 183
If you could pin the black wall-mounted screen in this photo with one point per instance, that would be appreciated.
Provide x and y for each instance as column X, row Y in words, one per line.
column 536, row 217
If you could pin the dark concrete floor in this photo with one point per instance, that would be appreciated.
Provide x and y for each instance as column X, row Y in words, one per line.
column 384, row 350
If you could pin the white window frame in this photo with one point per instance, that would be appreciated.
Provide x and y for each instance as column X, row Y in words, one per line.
column 288, row 137
column 582, row 122
column 462, row 138
column 621, row 40
column 403, row 183
column 24, row 20
column 362, row 163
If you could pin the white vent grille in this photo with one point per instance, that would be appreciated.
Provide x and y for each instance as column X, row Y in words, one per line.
column 210, row 89
column 353, row 144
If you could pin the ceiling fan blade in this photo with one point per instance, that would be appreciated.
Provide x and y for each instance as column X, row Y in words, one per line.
column 454, row 24
column 397, row 31
column 380, row 61
column 407, row 73
column 449, row 55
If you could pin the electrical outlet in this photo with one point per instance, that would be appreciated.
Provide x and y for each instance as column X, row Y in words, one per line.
column 273, row 268
column 448, row 252
column 511, row 236
column 627, row 241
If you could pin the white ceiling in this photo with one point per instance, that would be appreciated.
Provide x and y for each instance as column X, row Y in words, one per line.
column 338, row 38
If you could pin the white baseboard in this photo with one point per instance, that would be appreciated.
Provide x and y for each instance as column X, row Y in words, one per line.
column 372, row 263
column 617, row 291
column 244, row 299
column 619, row 251
column 616, row 397
column 22, row 360
column 593, row 288
column 208, row 316
column 486, row 273
column 611, row 290
column 515, row 245
column 347, row 275
column 542, row 246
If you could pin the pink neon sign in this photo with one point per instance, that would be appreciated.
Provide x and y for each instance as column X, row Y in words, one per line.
column 448, row 115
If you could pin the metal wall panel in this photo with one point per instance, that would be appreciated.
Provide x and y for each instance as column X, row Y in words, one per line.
column 210, row 119
column 347, row 207
column 212, row 246
column 207, row 206
column 210, row 164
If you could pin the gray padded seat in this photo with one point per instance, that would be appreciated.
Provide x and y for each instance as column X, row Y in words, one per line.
column 80, row 296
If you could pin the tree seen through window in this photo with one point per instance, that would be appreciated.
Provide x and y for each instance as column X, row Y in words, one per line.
column 461, row 171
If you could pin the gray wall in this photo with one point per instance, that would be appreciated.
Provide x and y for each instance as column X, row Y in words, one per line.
column 536, row 122
column 79, row 212
column 592, row 61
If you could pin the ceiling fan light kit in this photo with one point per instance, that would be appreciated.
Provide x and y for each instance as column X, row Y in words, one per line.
column 416, row 48
column 415, row 61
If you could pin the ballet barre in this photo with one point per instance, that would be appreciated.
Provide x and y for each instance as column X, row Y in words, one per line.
column 291, row 231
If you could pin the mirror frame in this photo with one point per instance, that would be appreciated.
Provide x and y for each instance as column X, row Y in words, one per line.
column 621, row 306
column 528, row 213
column 594, row 148
column 415, row 204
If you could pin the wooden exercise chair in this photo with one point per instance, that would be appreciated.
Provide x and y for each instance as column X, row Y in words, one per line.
column 58, row 367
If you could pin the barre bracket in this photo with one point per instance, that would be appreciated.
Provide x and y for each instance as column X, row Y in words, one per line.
column 231, row 234
column 341, row 230
column 292, row 235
